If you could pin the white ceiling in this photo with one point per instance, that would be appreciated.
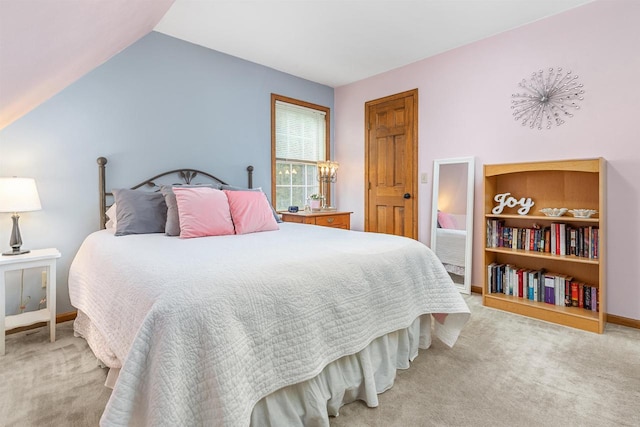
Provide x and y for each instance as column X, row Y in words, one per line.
column 336, row 42
column 46, row 45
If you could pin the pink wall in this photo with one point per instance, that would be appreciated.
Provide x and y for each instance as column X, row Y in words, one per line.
column 464, row 110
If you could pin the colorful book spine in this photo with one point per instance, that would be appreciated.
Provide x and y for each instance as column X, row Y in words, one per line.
column 574, row 294
column 587, row 297
column 549, row 289
column 562, row 232
column 530, row 292
column 490, row 287
column 581, row 295
column 522, row 290
column 567, row 292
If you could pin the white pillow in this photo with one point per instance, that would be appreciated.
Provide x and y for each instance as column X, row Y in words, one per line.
column 111, row 217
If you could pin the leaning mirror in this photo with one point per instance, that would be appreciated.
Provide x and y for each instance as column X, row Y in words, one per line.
column 452, row 217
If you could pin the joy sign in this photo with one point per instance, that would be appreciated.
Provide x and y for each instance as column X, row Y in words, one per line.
column 505, row 199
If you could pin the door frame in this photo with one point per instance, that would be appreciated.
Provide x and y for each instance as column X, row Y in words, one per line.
column 414, row 166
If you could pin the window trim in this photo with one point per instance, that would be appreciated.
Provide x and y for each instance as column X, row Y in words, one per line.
column 326, row 110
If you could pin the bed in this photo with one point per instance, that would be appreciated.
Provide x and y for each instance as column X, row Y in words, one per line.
column 278, row 327
column 451, row 241
column 451, row 246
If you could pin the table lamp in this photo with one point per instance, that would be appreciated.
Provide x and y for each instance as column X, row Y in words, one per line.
column 327, row 173
column 18, row 195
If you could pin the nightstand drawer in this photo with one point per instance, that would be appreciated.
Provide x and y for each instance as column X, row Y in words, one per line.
column 325, row 219
column 293, row 218
column 336, row 221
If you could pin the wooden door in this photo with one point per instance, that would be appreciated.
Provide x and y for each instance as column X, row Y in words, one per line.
column 391, row 156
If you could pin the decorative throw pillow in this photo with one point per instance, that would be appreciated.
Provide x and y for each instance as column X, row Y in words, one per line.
column 232, row 188
column 112, row 221
column 172, row 227
column 446, row 220
column 139, row 212
column 459, row 221
column 250, row 211
column 203, row 212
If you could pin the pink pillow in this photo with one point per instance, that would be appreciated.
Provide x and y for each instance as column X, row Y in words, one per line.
column 203, row 212
column 251, row 211
column 446, row 220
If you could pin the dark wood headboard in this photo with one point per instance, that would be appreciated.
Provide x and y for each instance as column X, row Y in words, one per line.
column 185, row 175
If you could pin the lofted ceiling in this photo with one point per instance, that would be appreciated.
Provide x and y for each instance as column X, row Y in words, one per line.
column 45, row 45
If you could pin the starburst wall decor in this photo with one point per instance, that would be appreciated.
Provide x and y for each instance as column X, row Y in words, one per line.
column 547, row 100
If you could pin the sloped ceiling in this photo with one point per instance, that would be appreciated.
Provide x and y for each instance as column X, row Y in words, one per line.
column 45, row 45
column 336, row 42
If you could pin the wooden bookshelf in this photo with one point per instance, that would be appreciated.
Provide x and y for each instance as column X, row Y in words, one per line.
column 571, row 184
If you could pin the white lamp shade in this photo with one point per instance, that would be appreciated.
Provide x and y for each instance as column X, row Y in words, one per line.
column 19, row 195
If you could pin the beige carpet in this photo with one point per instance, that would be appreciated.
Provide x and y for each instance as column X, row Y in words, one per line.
column 505, row 370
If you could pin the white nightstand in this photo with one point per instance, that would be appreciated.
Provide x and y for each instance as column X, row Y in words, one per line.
column 37, row 258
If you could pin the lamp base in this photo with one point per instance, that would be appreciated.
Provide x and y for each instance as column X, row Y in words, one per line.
column 16, row 239
column 18, row 252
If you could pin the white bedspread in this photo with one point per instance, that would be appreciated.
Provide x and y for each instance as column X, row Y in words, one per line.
column 206, row 327
column 451, row 245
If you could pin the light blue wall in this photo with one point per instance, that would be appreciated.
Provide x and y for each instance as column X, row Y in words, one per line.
column 159, row 105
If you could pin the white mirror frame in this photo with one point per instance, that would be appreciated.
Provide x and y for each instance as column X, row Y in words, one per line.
column 470, row 162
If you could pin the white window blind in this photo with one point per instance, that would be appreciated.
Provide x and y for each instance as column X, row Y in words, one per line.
column 300, row 133
column 300, row 142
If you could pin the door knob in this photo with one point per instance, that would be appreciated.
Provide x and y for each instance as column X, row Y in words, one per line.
column 407, row 196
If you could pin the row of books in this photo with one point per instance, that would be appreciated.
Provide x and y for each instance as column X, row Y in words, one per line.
column 541, row 286
column 557, row 238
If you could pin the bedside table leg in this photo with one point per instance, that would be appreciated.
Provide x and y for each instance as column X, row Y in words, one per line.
column 2, row 302
column 51, row 300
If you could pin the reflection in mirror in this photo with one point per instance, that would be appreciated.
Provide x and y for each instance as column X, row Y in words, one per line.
column 452, row 217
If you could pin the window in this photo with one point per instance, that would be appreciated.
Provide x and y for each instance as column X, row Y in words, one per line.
column 299, row 139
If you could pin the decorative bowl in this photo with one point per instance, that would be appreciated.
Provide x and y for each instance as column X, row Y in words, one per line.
column 553, row 211
column 583, row 213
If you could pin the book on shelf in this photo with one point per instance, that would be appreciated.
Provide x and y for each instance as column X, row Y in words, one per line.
column 549, row 289
column 580, row 295
column 574, row 294
column 557, row 239
column 567, row 291
column 587, row 297
column 522, row 288
column 559, row 281
column 495, row 274
column 547, row 239
column 530, row 294
column 541, row 286
column 563, row 239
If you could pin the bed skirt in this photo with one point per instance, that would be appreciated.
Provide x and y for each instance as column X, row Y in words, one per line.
column 360, row 376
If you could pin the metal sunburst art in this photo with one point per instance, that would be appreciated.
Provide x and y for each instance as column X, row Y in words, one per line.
column 547, row 100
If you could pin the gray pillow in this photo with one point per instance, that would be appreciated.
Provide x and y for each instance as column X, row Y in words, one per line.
column 139, row 212
column 232, row 188
column 172, row 225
